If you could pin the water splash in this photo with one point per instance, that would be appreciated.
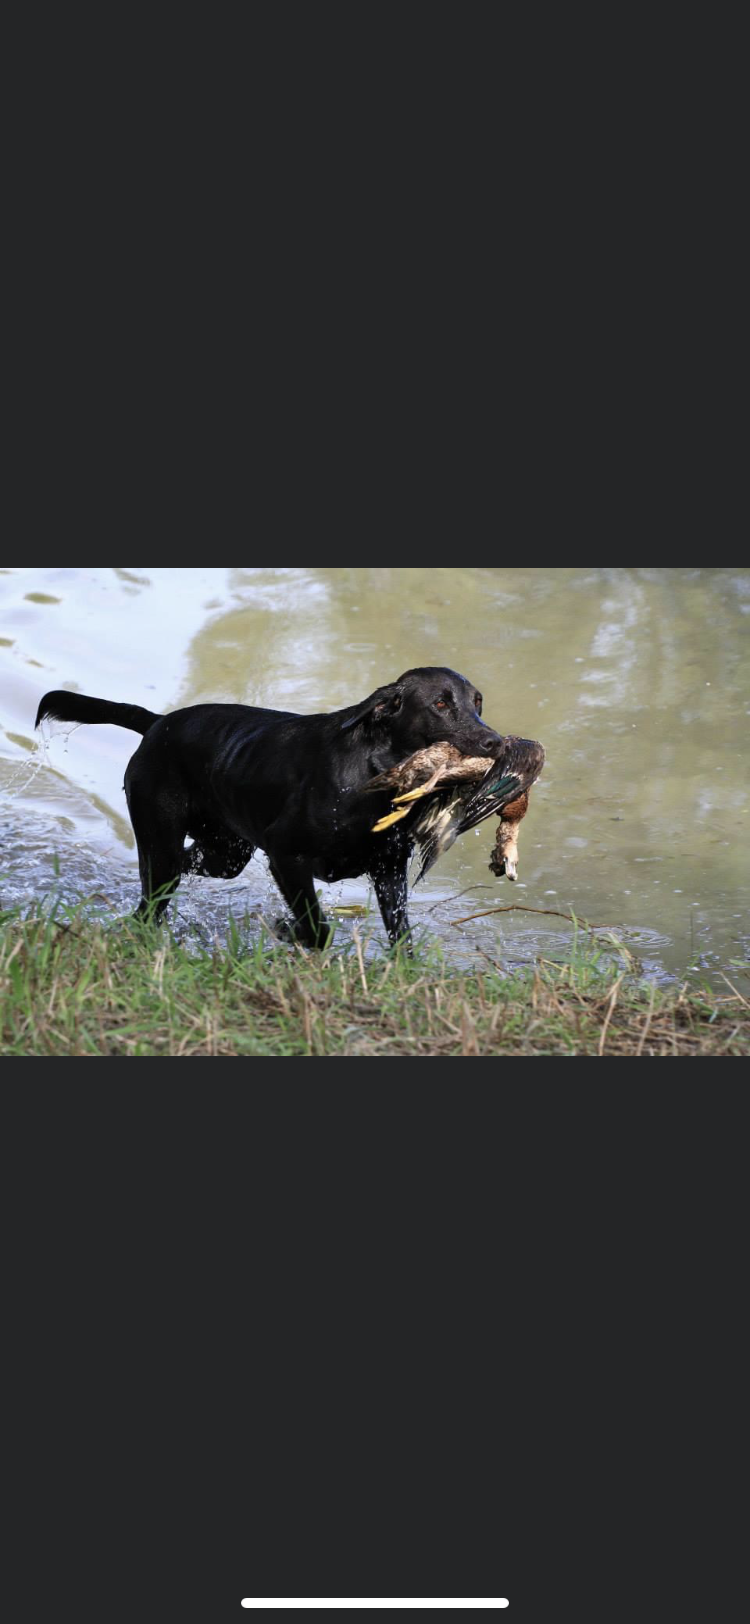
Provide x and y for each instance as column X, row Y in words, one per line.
column 39, row 757
column 31, row 766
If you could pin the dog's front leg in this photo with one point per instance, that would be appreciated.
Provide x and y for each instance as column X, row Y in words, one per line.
column 391, row 891
column 295, row 882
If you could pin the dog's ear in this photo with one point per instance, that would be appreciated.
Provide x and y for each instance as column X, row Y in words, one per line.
column 385, row 702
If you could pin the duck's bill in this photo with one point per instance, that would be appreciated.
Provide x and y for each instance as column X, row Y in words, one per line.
column 511, row 872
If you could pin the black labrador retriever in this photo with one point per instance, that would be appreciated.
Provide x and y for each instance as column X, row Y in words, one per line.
column 236, row 777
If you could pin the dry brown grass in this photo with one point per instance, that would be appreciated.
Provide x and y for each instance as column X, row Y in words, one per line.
column 72, row 986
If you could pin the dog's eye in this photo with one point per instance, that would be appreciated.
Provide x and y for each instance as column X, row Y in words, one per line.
column 440, row 704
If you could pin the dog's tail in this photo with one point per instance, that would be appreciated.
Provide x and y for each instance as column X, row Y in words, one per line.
column 67, row 707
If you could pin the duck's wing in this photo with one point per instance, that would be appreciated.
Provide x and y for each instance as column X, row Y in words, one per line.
column 452, row 811
column 512, row 773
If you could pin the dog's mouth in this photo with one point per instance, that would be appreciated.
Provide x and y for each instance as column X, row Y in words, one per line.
column 483, row 745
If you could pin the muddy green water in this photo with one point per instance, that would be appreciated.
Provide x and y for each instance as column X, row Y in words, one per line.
column 637, row 682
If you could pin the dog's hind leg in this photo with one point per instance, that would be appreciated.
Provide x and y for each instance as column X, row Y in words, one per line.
column 160, row 834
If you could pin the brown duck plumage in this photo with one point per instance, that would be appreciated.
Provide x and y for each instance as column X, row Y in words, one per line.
column 438, row 763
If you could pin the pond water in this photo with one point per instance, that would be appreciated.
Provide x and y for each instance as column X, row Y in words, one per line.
column 637, row 682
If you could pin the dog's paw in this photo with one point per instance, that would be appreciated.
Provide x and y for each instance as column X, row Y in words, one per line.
column 289, row 931
column 283, row 929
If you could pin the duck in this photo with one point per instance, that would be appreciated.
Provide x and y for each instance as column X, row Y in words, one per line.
column 448, row 793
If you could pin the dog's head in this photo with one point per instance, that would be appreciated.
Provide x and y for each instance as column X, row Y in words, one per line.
column 425, row 705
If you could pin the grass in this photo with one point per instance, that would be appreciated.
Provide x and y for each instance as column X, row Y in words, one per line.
column 70, row 984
